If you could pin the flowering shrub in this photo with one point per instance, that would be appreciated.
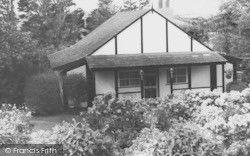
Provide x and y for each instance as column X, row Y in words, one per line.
column 119, row 117
column 77, row 139
column 14, row 125
column 189, row 124
column 180, row 140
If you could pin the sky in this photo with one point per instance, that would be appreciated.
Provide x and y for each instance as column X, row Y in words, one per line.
column 193, row 8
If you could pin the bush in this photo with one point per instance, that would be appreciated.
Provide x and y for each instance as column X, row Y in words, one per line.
column 236, row 85
column 76, row 89
column 42, row 94
column 77, row 139
column 14, row 125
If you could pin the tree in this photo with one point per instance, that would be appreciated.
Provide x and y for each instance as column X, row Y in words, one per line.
column 17, row 62
column 51, row 21
column 105, row 10
column 231, row 27
column 7, row 12
column 131, row 5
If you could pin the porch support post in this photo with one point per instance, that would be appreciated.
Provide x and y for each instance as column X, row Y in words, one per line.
column 171, row 82
column 223, row 78
column 234, row 71
column 91, row 85
column 213, row 76
column 142, row 83
column 189, row 78
column 191, row 43
column 158, row 82
column 116, row 84
column 64, row 99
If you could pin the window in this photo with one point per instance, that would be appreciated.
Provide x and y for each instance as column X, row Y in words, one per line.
column 179, row 76
column 129, row 79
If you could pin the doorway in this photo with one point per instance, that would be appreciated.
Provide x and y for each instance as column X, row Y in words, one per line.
column 150, row 84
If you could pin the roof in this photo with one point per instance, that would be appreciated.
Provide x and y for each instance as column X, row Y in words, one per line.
column 153, row 59
column 73, row 56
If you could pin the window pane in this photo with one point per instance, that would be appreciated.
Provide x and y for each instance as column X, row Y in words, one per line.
column 181, row 79
column 124, row 75
column 124, row 83
column 181, row 71
column 135, row 82
column 134, row 74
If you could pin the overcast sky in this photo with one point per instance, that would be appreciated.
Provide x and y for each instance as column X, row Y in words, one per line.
column 204, row 8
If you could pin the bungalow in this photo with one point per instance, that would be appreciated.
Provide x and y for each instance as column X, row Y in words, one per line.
column 145, row 54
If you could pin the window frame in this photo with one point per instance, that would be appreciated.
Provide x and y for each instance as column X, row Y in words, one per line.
column 175, row 76
column 129, row 79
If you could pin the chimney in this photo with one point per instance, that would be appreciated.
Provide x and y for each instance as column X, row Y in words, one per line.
column 166, row 3
column 159, row 4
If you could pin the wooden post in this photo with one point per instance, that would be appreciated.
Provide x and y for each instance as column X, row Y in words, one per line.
column 234, row 71
column 171, row 80
column 189, row 78
column 116, row 84
column 223, row 78
column 64, row 99
column 91, row 86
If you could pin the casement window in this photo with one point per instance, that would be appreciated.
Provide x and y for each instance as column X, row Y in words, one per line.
column 179, row 75
column 129, row 78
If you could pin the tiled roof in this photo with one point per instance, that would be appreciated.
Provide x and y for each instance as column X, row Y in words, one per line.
column 153, row 59
column 73, row 56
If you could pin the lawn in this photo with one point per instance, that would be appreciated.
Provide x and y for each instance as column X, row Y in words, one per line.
column 47, row 122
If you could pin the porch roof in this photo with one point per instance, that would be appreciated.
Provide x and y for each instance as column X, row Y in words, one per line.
column 153, row 60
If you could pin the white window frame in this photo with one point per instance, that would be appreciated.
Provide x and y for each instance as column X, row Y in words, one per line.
column 175, row 76
column 129, row 79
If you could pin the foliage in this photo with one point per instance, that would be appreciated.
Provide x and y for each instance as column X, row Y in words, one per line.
column 7, row 11
column 231, row 26
column 42, row 94
column 120, row 118
column 105, row 10
column 77, row 139
column 14, row 125
column 190, row 123
column 52, row 22
column 17, row 57
column 76, row 88
column 132, row 5
column 236, row 85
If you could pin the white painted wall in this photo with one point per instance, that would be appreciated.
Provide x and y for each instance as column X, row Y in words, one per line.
column 200, row 76
column 129, row 40
column 154, row 33
column 126, row 89
column 178, row 41
column 104, row 82
column 219, row 75
column 198, row 47
column 106, row 49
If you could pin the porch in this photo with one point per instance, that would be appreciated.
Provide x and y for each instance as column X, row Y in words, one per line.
column 154, row 75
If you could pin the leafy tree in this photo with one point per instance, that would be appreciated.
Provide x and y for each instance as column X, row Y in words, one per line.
column 7, row 12
column 131, row 5
column 17, row 62
column 231, row 27
column 105, row 10
column 51, row 21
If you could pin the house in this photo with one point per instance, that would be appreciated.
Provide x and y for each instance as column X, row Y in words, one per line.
column 145, row 54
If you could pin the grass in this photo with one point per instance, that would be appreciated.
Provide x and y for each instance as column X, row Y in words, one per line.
column 47, row 122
